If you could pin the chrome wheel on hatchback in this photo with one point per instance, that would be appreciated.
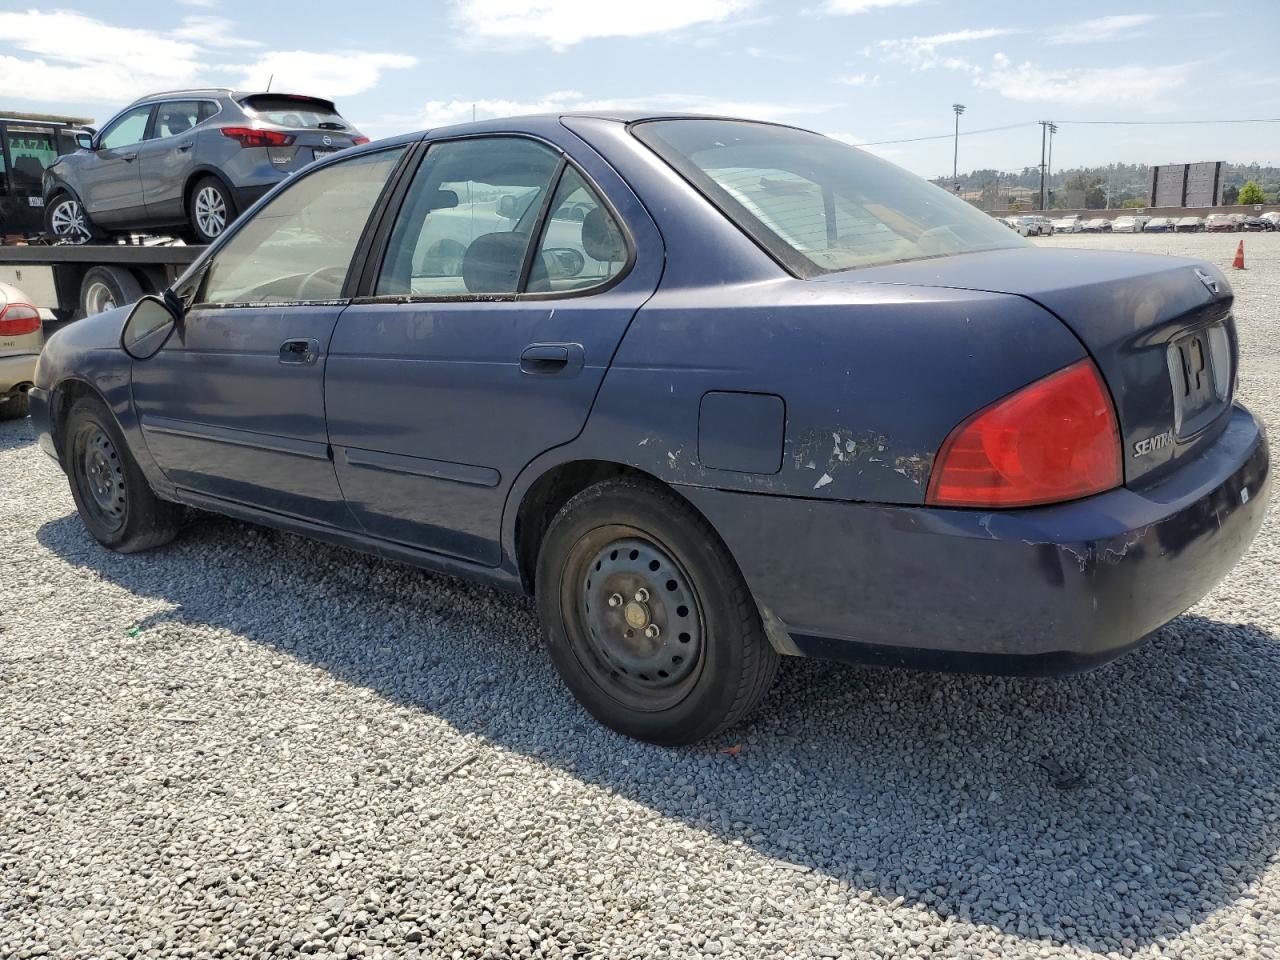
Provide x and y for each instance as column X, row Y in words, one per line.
column 211, row 211
column 67, row 221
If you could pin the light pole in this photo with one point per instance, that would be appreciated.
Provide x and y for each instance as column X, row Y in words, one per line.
column 955, row 156
column 1053, row 128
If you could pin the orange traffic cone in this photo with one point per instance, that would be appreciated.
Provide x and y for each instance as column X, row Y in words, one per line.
column 1238, row 262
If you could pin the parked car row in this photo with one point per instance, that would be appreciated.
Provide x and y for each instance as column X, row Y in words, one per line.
column 187, row 162
column 1032, row 225
column 1140, row 223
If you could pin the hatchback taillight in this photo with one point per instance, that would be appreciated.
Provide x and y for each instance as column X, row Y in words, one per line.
column 19, row 318
column 357, row 141
column 1054, row 440
column 249, row 137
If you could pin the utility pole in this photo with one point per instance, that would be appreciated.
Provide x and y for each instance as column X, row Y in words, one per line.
column 955, row 157
column 1053, row 128
column 1044, row 133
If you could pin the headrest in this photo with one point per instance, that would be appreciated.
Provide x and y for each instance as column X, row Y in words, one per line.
column 493, row 262
column 601, row 239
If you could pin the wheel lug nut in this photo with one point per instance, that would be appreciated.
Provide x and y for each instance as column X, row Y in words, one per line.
column 652, row 631
column 615, row 600
column 642, row 595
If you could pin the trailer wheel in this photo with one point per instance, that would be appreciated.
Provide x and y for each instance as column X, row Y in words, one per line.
column 105, row 288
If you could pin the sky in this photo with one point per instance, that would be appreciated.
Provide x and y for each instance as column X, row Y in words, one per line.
column 865, row 71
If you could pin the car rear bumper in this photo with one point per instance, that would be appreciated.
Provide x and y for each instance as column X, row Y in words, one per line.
column 1043, row 590
column 16, row 369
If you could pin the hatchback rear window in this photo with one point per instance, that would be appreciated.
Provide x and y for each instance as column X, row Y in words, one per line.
column 299, row 113
column 818, row 205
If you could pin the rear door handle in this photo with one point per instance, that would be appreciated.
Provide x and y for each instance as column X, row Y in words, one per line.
column 184, row 147
column 550, row 359
column 299, row 351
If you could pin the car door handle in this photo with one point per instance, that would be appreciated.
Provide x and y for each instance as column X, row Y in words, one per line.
column 184, row 147
column 128, row 157
column 549, row 359
column 299, row 351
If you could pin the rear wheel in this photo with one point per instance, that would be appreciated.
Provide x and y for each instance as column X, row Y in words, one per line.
column 647, row 618
column 65, row 219
column 113, row 497
column 15, row 407
column 105, row 288
column 211, row 210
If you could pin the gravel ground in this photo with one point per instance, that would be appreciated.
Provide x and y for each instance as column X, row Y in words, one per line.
column 247, row 744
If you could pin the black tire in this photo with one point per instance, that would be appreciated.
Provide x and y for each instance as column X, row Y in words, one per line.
column 104, row 288
column 62, row 213
column 208, row 228
column 710, row 662
column 113, row 497
column 16, row 407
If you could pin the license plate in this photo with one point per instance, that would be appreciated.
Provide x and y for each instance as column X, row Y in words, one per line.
column 318, row 152
column 35, row 201
column 1191, row 370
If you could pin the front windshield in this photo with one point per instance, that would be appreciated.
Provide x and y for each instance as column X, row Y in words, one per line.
column 818, row 205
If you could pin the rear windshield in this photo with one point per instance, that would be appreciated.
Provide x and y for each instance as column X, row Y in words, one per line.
column 817, row 205
column 299, row 113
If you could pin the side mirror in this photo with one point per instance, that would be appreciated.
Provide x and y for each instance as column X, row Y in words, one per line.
column 563, row 263
column 507, row 206
column 84, row 140
column 147, row 327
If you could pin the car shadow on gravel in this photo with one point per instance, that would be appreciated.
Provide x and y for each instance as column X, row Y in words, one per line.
column 1108, row 811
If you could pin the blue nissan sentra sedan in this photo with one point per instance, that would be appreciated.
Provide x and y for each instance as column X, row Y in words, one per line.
column 714, row 391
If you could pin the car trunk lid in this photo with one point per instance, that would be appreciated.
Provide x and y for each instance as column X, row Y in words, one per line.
column 314, row 124
column 1159, row 328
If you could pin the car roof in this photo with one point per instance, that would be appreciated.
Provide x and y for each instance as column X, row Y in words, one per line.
column 222, row 92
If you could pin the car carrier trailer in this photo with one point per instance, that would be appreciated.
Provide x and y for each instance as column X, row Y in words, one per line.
column 76, row 281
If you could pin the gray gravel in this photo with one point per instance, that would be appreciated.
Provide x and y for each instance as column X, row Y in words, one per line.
column 248, row 744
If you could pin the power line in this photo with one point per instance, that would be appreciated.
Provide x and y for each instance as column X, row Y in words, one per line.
column 948, row 136
column 1078, row 123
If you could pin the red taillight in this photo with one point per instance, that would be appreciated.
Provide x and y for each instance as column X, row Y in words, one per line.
column 1054, row 440
column 19, row 318
column 356, row 141
column 249, row 137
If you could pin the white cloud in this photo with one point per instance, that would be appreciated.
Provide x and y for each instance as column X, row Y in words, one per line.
column 1130, row 84
column 339, row 74
column 78, row 59
column 441, row 113
column 562, row 23
column 921, row 53
column 1101, row 29
column 862, row 6
column 860, row 80
column 212, row 32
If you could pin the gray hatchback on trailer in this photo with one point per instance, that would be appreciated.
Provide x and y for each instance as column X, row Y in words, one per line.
column 190, row 160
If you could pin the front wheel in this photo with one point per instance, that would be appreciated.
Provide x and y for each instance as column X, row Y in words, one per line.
column 210, row 211
column 65, row 219
column 112, row 496
column 646, row 617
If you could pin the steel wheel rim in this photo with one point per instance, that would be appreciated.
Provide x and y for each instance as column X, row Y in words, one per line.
column 102, row 475
column 211, row 211
column 68, row 222
column 99, row 299
column 620, row 585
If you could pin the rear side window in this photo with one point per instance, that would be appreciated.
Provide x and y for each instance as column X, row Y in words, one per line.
column 581, row 245
column 818, row 205
column 465, row 225
column 299, row 246
column 179, row 116
column 299, row 113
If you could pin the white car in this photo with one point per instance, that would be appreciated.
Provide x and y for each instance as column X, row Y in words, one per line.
column 1067, row 225
column 21, row 337
column 1128, row 224
column 1027, row 226
column 1273, row 216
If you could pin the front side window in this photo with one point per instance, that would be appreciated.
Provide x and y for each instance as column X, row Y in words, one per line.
column 466, row 222
column 299, row 246
column 127, row 130
column 581, row 244
column 818, row 205
column 173, row 119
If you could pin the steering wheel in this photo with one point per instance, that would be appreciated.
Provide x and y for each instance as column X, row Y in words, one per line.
column 314, row 275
